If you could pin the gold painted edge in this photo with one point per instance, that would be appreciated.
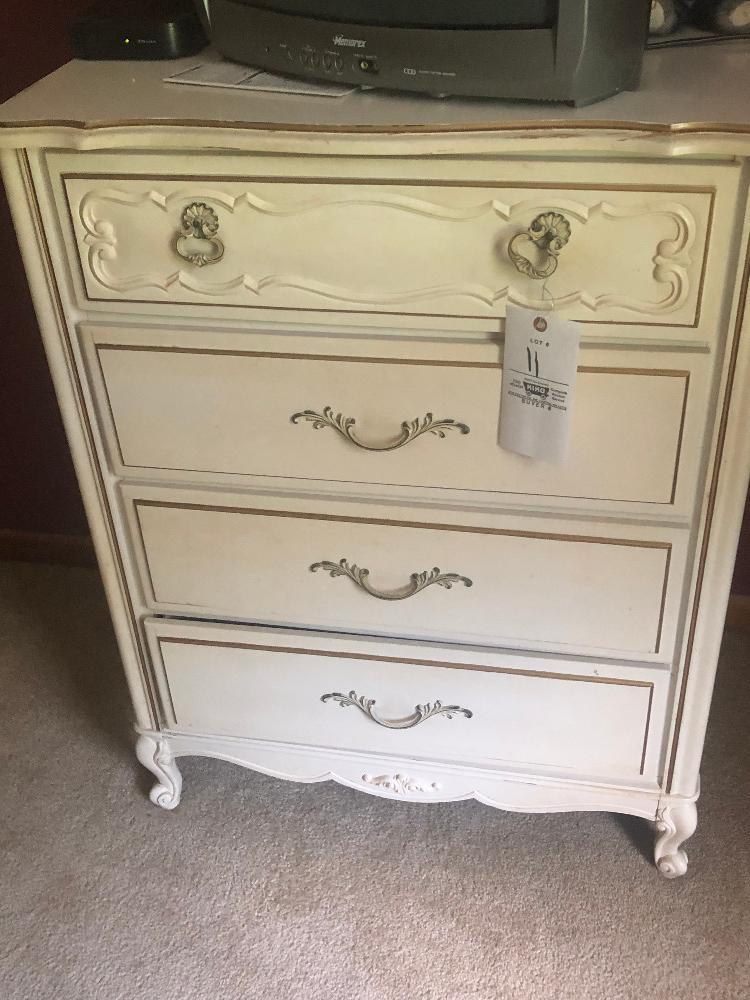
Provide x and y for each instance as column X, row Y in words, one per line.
column 433, row 362
column 108, row 399
column 663, row 607
column 391, row 182
column 582, row 369
column 446, row 664
column 648, row 729
column 410, row 661
column 710, row 511
column 151, row 694
column 151, row 598
column 680, row 440
column 666, row 547
column 523, row 125
column 704, row 266
column 314, row 180
column 387, row 522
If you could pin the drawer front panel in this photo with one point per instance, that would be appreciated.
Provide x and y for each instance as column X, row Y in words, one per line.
column 501, row 581
column 636, row 240
column 415, row 422
column 571, row 718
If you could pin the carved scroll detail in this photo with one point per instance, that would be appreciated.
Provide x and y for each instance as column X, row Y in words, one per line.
column 421, row 712
column 670, row 258
column 410, row 429
column 418, row 581
column 674, row 825
column 155, row 754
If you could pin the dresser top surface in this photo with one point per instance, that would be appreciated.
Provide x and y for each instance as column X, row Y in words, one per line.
column 709, row 84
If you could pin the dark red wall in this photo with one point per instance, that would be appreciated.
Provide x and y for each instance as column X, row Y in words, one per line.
column 38, row 491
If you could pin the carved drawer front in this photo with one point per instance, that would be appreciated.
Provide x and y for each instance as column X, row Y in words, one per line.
column 547, row 584
column 483, row 707
column 186, row 406
column 610, row 243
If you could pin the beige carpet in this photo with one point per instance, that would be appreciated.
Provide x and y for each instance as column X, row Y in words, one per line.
column 255, row 888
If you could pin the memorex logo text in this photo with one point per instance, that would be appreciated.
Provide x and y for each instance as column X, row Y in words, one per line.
column 351, row 43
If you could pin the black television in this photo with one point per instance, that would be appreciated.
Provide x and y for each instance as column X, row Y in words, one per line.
column 577, row 51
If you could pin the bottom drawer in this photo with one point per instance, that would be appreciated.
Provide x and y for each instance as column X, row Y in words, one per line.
column 404, row 699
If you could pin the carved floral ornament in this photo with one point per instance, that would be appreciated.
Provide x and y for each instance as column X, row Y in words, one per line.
column 547, row 235
column 669, row 259
column 198, row 242
column 401, row 784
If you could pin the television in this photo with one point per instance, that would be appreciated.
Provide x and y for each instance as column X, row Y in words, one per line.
column 578, row 51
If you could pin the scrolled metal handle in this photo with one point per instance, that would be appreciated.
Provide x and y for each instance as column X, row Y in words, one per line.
column 410, row 429
column 418, row 581
column 421, row 712
column 197, row 241
column 548, row 233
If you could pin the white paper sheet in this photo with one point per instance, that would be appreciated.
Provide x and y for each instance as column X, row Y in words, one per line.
column 539, row 374
column 220, row 73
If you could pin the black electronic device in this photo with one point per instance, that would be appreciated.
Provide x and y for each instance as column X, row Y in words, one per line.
column 555, row 50
column 138, row 29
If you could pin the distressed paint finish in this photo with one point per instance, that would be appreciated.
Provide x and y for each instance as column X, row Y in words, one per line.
column 156, row 347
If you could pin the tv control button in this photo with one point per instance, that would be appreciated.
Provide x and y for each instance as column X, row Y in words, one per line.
column 305, row 56
column 338, row 62
column 327, row 61
column 367, row 65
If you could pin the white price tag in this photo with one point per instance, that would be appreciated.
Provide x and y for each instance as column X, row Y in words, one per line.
column 539, row 374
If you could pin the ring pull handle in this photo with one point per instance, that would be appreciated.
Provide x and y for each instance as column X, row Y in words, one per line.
column 410, row 429
column 197, row 241
column 421, row 712
column 418, row 581
column 545, row 238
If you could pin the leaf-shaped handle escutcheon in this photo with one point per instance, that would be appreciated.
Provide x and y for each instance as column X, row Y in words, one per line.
column 410, row 429
column 197, row 241
column 421, row 712
column 545, row 237
column 417, row 582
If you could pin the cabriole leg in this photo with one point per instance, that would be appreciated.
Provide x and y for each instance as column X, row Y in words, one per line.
column 154, row 752
column 674, row 825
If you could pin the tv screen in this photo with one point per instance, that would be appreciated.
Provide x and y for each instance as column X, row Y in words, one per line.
column 423, row 13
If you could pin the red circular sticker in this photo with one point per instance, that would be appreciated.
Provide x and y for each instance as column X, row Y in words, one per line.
column 540, row 324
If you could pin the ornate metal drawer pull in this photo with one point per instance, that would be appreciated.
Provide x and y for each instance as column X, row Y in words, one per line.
column 410, row 429
column 198, row 242
column 421, row 712
column 419, row 581
column 548, row 233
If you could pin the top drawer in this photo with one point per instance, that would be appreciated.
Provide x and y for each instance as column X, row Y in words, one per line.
column 617, row 243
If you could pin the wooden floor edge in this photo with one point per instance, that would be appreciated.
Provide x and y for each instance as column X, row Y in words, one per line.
column 32, row 546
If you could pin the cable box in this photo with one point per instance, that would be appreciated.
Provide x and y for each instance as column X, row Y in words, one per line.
column 138, row 29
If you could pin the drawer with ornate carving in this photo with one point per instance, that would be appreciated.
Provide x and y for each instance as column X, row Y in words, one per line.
column 594, row 588
column 212, row 406
column 618, row 243
column 406, row 700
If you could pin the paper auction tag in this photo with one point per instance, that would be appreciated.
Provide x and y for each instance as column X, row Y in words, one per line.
column 539, row 374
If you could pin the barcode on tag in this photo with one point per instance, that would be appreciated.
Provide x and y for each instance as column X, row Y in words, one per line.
column 539, row 375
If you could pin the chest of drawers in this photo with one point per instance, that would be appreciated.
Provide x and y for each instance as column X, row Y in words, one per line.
column 278, row 350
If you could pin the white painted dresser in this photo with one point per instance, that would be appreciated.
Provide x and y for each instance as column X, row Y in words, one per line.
column 275, row 327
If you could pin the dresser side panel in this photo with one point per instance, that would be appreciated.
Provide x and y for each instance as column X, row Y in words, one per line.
column 724, row 503
column 53, row 324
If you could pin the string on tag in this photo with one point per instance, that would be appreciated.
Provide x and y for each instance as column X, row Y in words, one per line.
column 546, row 291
